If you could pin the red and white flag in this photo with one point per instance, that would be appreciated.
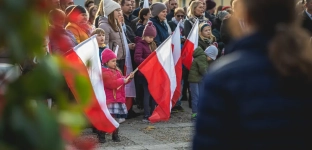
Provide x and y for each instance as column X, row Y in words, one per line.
column 176, row 46
column 84, row 54
column 190, row 45
column 158, row 69
column 130, row 87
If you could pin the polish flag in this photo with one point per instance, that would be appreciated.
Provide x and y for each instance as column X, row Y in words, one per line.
column 85, row 61
column 176, row 46
column 130, row 87
column 130, row 90
column 190, row 45
column 158, row 69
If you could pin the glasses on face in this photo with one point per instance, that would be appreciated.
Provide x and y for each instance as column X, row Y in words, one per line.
column 180, row 16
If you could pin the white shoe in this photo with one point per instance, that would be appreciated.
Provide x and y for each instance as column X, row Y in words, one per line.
column 121, row 120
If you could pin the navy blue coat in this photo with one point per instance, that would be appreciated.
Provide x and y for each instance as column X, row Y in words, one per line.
column 162, row 31
column 244, row 106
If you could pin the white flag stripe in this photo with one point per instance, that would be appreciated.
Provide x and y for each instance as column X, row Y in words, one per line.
column 145, row 4
column 176, row 41
column 116, row 50
column 166, row 60
column 193, row 36
column 130, row 87
column 89, row 51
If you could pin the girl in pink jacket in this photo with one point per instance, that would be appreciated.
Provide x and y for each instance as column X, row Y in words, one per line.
column 114, row 88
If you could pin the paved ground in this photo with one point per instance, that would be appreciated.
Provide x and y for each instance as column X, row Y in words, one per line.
column 176, row 134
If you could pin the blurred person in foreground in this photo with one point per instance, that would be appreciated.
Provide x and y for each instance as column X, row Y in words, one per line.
column 259, row 97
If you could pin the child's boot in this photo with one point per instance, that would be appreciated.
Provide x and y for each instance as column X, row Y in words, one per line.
column 101, row 136
column 115, row 136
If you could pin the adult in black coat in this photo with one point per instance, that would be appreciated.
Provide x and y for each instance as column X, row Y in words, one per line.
column 259, row 97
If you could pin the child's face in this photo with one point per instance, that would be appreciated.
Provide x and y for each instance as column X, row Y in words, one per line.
column 148, row 39
column 100, row 39
column 206, row 32
column 112, row 63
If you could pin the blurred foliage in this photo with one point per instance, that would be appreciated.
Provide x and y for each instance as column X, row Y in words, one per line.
column 26, row 122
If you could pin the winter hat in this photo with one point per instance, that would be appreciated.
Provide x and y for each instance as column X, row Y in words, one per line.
column 110, row 6
column 212, row 52
column 150, row 30
column 222, row 14
column 75, row 12
column 210, row 4
column 156, row 8
column 107, row 55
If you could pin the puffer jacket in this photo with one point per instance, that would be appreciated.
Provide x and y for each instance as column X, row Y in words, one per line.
column 199, row 66
column 112, row 38
column 142, row 51
column 162, row 30
column 113, row 79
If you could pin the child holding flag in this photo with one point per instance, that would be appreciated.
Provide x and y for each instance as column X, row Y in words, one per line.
column 114, row 89
column 145, row 45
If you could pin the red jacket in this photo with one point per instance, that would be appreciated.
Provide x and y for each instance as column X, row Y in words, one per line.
column 113, row 79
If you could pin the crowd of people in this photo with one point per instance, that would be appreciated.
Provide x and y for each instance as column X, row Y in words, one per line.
column 219, row 29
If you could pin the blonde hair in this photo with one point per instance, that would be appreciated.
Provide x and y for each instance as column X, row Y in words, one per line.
column 100, row 11
column 179, row 10
column 191, row 10
column 98, row 31
column 211, row 38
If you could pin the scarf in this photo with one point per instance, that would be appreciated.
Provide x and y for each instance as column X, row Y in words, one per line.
column 201, row 19
column 174, row 20
column 85, row 27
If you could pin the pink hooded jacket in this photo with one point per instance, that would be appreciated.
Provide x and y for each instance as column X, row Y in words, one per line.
column 113, row 79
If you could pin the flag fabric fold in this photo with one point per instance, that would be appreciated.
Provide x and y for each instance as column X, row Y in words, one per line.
column 190, row 45
column 145, row 4
column 158, row 69
column 130, row 87
column 79, row 58
column 176, row 46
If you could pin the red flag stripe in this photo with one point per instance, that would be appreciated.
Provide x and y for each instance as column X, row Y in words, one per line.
column 94, row 111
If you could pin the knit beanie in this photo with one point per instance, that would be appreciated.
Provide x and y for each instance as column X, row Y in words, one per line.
column 107, row 55
column 75, row 12
column 222, row 14
column 210, row 4
column 150, row 30
column 110, row 6
column 212, row 52
column 156, row 8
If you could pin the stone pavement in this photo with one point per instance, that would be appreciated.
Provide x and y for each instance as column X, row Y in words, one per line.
column 176, row 134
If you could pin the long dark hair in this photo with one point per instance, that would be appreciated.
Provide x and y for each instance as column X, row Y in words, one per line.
column 289, row 50
column 92, row 17
column 143, row 12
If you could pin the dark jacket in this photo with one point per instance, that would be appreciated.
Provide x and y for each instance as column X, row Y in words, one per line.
column 170, row 15
column 136, row 11
column 134, row 23
column 243, row 106
column 172, row 25
column 142, row 51
column 139, row 29
column 129, row 19
column 187, row 27
column 211, row 17
column 199, row 66
column 162, row 31
column 307, row 22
